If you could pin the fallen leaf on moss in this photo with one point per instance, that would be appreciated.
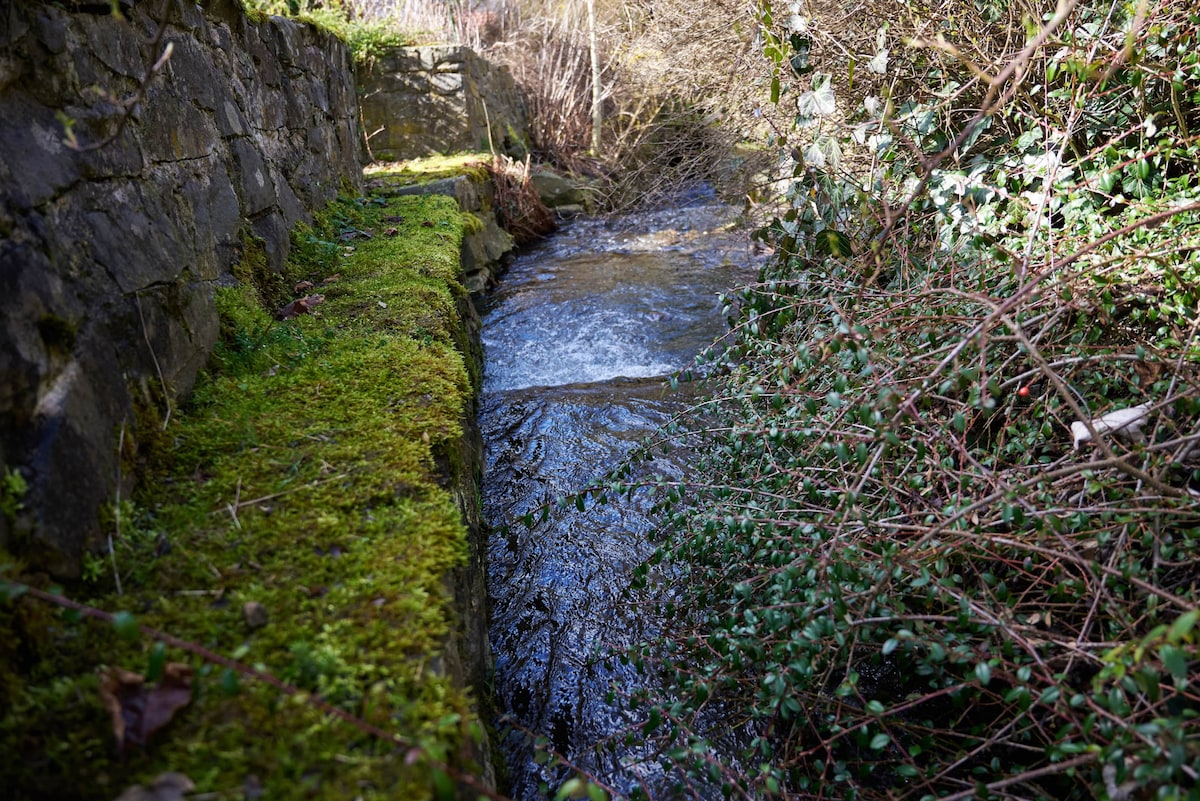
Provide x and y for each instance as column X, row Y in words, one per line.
column 391, row 232
column 138, row 711
column 298, row 307
column 427, row 223
column 169, row 786
column 333, row 278
column 304, row 286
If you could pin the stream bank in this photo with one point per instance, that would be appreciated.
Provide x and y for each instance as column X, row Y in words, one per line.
column 249, row 520
column 313, row 513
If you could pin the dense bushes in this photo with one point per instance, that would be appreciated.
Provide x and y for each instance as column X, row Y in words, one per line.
column 904, row 576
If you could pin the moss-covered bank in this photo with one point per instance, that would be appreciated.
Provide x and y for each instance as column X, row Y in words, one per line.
column 467, row 178
column 327, row 471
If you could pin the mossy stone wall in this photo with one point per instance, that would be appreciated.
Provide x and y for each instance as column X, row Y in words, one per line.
column 315, row 513
column 439, row 99
column 109, row 258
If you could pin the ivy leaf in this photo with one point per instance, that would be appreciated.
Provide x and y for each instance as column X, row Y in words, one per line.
column 814, row 156
column 818, row 101
column 799, row 64
column 878, row 65
column 1183, row 626
column 834, row 243
column 571, row 788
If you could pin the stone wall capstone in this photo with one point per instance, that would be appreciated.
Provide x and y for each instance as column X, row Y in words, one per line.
column 421, row 101
column 109, row 258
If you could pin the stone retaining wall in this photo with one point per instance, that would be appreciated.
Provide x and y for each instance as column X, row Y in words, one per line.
column 419, row 101
column 108, row 258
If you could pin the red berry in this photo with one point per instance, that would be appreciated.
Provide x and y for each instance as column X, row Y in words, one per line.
column 1023, row 392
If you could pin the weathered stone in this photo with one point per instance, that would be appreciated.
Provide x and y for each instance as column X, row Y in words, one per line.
column 213, row 206
column 230, row 120
column 273, row 230
column 555, row 189
column 191, row 75
column 109, row 257
column 459, row 187
column 483, row 254
column 569, row 211
column 255, row 614
column 446, row 83
column 255, row 187
column 119, row 53
column 440, row 99
column 36, row 164
column 10, row 70
column 486, row 246
column 173, row 129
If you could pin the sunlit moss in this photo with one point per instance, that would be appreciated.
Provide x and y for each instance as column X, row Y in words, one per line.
column 430, row 168
column 367, row 39
column 304, row 476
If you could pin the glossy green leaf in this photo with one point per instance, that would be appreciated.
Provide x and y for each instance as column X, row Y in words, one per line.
column 126, row 625
column 834, row 243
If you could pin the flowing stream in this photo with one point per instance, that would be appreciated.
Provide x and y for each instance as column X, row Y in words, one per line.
column 579, row 338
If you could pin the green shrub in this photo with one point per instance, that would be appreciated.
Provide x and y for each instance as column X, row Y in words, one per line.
column 901, row 577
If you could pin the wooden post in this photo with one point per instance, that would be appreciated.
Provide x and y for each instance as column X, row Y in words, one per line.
column 597, row 119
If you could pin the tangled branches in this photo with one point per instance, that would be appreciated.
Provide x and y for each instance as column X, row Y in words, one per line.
column 903, row 564
column 928, row 582
column 518, row 204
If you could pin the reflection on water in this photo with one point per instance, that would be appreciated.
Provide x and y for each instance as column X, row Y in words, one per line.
column 578, row 338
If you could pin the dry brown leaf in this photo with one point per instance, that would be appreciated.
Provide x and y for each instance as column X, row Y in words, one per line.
column 391, row 232
column 299, row 306
column 115, row 684
column 304, row 286
column 293, row 309
column 333, row 278
column 138, row 711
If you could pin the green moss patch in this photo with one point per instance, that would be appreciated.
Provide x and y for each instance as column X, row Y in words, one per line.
column 431, row 168
column 302, row 478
